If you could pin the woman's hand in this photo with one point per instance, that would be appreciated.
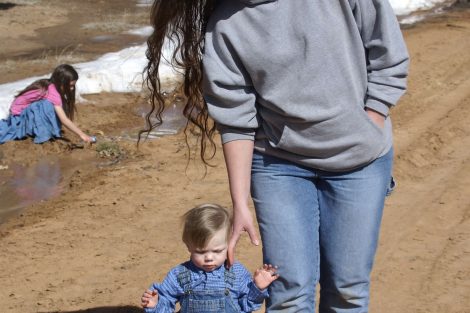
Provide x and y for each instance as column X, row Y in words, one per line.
column 376, row 117
column 265, row 276
column 149, row 299
column 242, row 221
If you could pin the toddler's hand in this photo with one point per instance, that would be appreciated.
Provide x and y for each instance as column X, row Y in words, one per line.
column 265, row 276
column 149, row 299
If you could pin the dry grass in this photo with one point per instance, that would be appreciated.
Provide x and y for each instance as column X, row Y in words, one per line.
column 112, row 23
column 58, row 56
column 48, row 59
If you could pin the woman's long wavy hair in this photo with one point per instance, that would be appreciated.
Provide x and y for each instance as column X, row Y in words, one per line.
column 61, row 77
column 184, row 22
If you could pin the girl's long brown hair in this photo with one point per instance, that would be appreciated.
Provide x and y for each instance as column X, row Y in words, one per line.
column 61, row 77
column 183, row 22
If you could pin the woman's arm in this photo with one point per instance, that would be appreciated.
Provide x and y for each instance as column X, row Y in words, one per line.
column 59, row 111
column 238, row 157
column 387, row 55
column 231, row 102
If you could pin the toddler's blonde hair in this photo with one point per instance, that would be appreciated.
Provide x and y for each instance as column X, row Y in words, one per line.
column 202, row 222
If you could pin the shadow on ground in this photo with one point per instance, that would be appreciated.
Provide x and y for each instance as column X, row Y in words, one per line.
column 108, row 309
column 6, row 5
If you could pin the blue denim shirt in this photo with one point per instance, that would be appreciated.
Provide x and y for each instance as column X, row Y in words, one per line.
column 244, row 292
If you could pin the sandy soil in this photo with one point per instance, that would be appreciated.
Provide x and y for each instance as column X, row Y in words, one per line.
column 115, row 228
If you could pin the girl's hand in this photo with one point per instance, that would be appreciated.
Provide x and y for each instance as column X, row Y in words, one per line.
column 70, row 125
column 149, row 299
column 87, row 138
column 265, row 276
column 242, row 221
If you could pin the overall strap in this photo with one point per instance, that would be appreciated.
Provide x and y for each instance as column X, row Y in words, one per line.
column 229, row 277
column 184, row 279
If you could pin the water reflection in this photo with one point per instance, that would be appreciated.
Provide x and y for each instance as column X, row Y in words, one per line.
column 173, row 120
column 25, row 185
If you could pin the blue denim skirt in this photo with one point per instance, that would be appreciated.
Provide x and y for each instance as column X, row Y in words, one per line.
column 38, row 121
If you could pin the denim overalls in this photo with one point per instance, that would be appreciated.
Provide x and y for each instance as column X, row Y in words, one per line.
column 205, row 301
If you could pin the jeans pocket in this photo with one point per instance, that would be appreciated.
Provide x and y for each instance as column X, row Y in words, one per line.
column 391, row 186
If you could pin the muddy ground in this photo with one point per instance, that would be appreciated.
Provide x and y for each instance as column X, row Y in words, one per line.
column 115, row 227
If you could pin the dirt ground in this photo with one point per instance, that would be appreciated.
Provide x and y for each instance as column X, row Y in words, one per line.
column 115, row 228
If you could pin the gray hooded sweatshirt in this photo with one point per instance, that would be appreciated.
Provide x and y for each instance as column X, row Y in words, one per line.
column 296, row 76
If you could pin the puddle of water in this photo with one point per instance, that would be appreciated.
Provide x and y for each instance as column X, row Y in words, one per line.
column 144, row 3
column 21, row 186
column 173, row 122
column 24, row 185
column 102, row 38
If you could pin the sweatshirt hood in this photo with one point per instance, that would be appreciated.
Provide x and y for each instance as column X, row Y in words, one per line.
column 255, row 2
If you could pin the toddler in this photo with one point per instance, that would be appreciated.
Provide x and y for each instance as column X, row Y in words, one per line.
column 203, row 284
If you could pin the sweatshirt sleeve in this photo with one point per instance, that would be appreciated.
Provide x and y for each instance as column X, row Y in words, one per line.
column 388, row 58
column 228, row 91
column 168, row 294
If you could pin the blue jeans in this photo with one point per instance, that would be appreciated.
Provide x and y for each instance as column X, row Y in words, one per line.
column 319, row 227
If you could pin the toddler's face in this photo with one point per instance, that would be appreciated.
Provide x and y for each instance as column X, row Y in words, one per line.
column 213, row 255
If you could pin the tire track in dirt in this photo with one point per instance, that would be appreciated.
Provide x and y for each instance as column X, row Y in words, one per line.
column 424, row 255
column 429, row 212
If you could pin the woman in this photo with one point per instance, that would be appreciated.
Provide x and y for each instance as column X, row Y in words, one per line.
column 39, row 110
column 300, row 92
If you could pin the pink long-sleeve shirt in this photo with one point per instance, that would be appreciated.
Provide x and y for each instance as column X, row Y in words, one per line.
column 21, row 102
